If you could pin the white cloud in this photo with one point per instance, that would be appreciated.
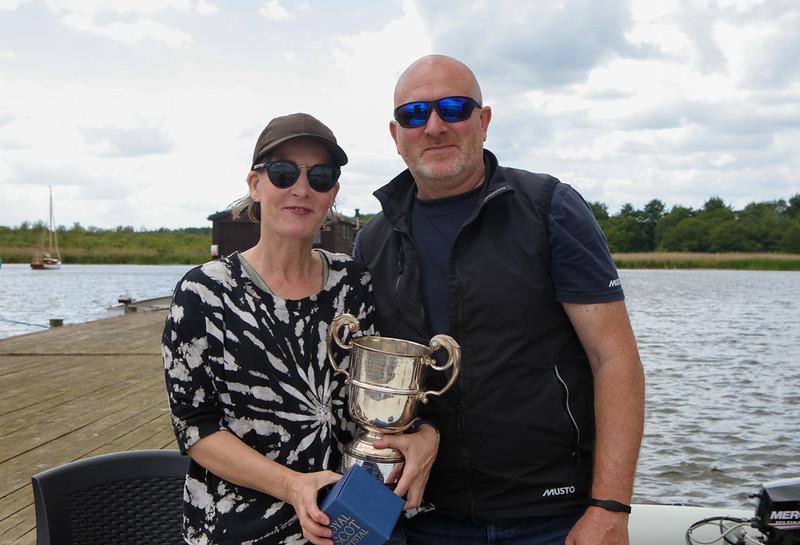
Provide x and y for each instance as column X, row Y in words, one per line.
column 124, row 21
column 532, row 44
column 629, row 103
column 365, row 69
column 127, row 142
column 93, row 8
column 272, row 9
column 10, row 5
column 131, row 33
column 205, row 7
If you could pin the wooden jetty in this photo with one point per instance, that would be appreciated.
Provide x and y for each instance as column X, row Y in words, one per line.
column 73, row 392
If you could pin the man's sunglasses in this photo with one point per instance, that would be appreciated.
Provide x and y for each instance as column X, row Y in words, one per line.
column 450, row 109
column 284, row 173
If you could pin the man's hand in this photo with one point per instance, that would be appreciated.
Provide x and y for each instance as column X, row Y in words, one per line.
column 419, row 450
column 599, row 527
column 302, row 489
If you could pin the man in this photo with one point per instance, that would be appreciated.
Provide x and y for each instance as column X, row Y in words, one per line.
column 540, row 437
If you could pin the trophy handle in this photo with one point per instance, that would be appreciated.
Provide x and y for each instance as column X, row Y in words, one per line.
column 453, row 360
column 333, row 336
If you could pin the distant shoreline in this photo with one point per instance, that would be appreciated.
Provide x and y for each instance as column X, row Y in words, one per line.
column 695, row 260
column 175, row 255
column 640, row 260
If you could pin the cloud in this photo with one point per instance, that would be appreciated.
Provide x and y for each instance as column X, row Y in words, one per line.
column 535, row 44
column 124, row 21
column 205, row 7
column 120, row 142
column 7, row 55
column 272, row 9
column 364, row 68
column 44, row 173
column 628, row 101
column 755, row 42
column 772, row 58
column 697, row 21
column 10, row 5
column 130, row 32
column 95, row 8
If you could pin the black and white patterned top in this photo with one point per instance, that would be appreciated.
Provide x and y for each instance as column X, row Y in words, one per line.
column 240, row 359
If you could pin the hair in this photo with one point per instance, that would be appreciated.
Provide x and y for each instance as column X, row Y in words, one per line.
column 253, row 208
column 241, row 204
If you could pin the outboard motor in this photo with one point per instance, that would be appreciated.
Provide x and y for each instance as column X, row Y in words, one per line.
column 777, row 518
column 778, row 512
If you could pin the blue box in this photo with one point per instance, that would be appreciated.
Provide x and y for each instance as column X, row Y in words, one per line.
column 362, row 509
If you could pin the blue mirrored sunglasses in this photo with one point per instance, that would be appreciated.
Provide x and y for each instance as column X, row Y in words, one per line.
column 450, row 109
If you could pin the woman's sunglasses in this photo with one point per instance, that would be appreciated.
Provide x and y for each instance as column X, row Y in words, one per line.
column 284, row 173
column 450, row 109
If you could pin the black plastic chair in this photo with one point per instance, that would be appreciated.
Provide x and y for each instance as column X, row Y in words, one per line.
column 133, row 497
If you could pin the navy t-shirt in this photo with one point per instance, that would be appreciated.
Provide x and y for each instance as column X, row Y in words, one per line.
column 434, row 226
column 581, row 266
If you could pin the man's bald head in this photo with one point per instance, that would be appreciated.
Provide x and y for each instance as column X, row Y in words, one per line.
column 444, row 154
column 428, row 72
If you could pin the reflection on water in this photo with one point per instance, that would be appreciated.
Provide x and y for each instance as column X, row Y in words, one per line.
column 720, row 350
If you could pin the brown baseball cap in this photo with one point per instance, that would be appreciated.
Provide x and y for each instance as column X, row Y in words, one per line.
column 284, row 128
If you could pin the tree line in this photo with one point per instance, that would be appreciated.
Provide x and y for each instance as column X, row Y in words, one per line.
column 759, row 227
column 122, row 244
column 770, row 226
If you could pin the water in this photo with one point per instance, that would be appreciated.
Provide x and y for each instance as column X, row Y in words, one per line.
column 720, row 350
column 75, row 293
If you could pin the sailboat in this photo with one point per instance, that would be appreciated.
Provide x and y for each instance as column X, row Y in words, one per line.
column 44, row 260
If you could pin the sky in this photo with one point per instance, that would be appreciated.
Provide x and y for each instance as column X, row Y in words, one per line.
column 144, row 113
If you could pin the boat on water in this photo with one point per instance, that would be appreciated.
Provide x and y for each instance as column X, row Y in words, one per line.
column 774, row 521
column 651, row 524
column 43, row 260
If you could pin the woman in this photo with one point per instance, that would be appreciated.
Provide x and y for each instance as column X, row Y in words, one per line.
column 253, row 401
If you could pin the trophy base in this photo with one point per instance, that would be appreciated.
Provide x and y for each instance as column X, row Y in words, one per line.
column 386, row 464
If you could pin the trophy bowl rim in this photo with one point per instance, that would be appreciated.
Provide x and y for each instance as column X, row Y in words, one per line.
column 356, row 340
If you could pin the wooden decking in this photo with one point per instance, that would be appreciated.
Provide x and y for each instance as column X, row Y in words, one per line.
column 73, row 392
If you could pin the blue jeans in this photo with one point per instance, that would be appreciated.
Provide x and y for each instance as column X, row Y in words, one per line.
column 431, row 529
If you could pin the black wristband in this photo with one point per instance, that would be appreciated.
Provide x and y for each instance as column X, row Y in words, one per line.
column 610, row 505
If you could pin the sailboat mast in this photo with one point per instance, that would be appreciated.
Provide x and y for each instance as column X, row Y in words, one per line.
column 42, row 259
column 50, row 224
column 53, row 237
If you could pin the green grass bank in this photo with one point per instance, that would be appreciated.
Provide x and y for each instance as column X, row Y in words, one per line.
column 123, row 245
column 693, row 260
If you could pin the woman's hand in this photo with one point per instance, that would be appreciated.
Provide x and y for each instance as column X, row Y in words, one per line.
column 301, row 492
column 419, row 450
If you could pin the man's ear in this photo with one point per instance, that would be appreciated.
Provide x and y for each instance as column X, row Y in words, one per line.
column 486, row 117
column 393, row 132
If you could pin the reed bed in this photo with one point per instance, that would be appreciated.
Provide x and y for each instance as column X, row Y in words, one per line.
column 689, row 260
column 184, row 255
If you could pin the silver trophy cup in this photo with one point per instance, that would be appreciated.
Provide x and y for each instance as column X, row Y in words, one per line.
column 383, row 388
